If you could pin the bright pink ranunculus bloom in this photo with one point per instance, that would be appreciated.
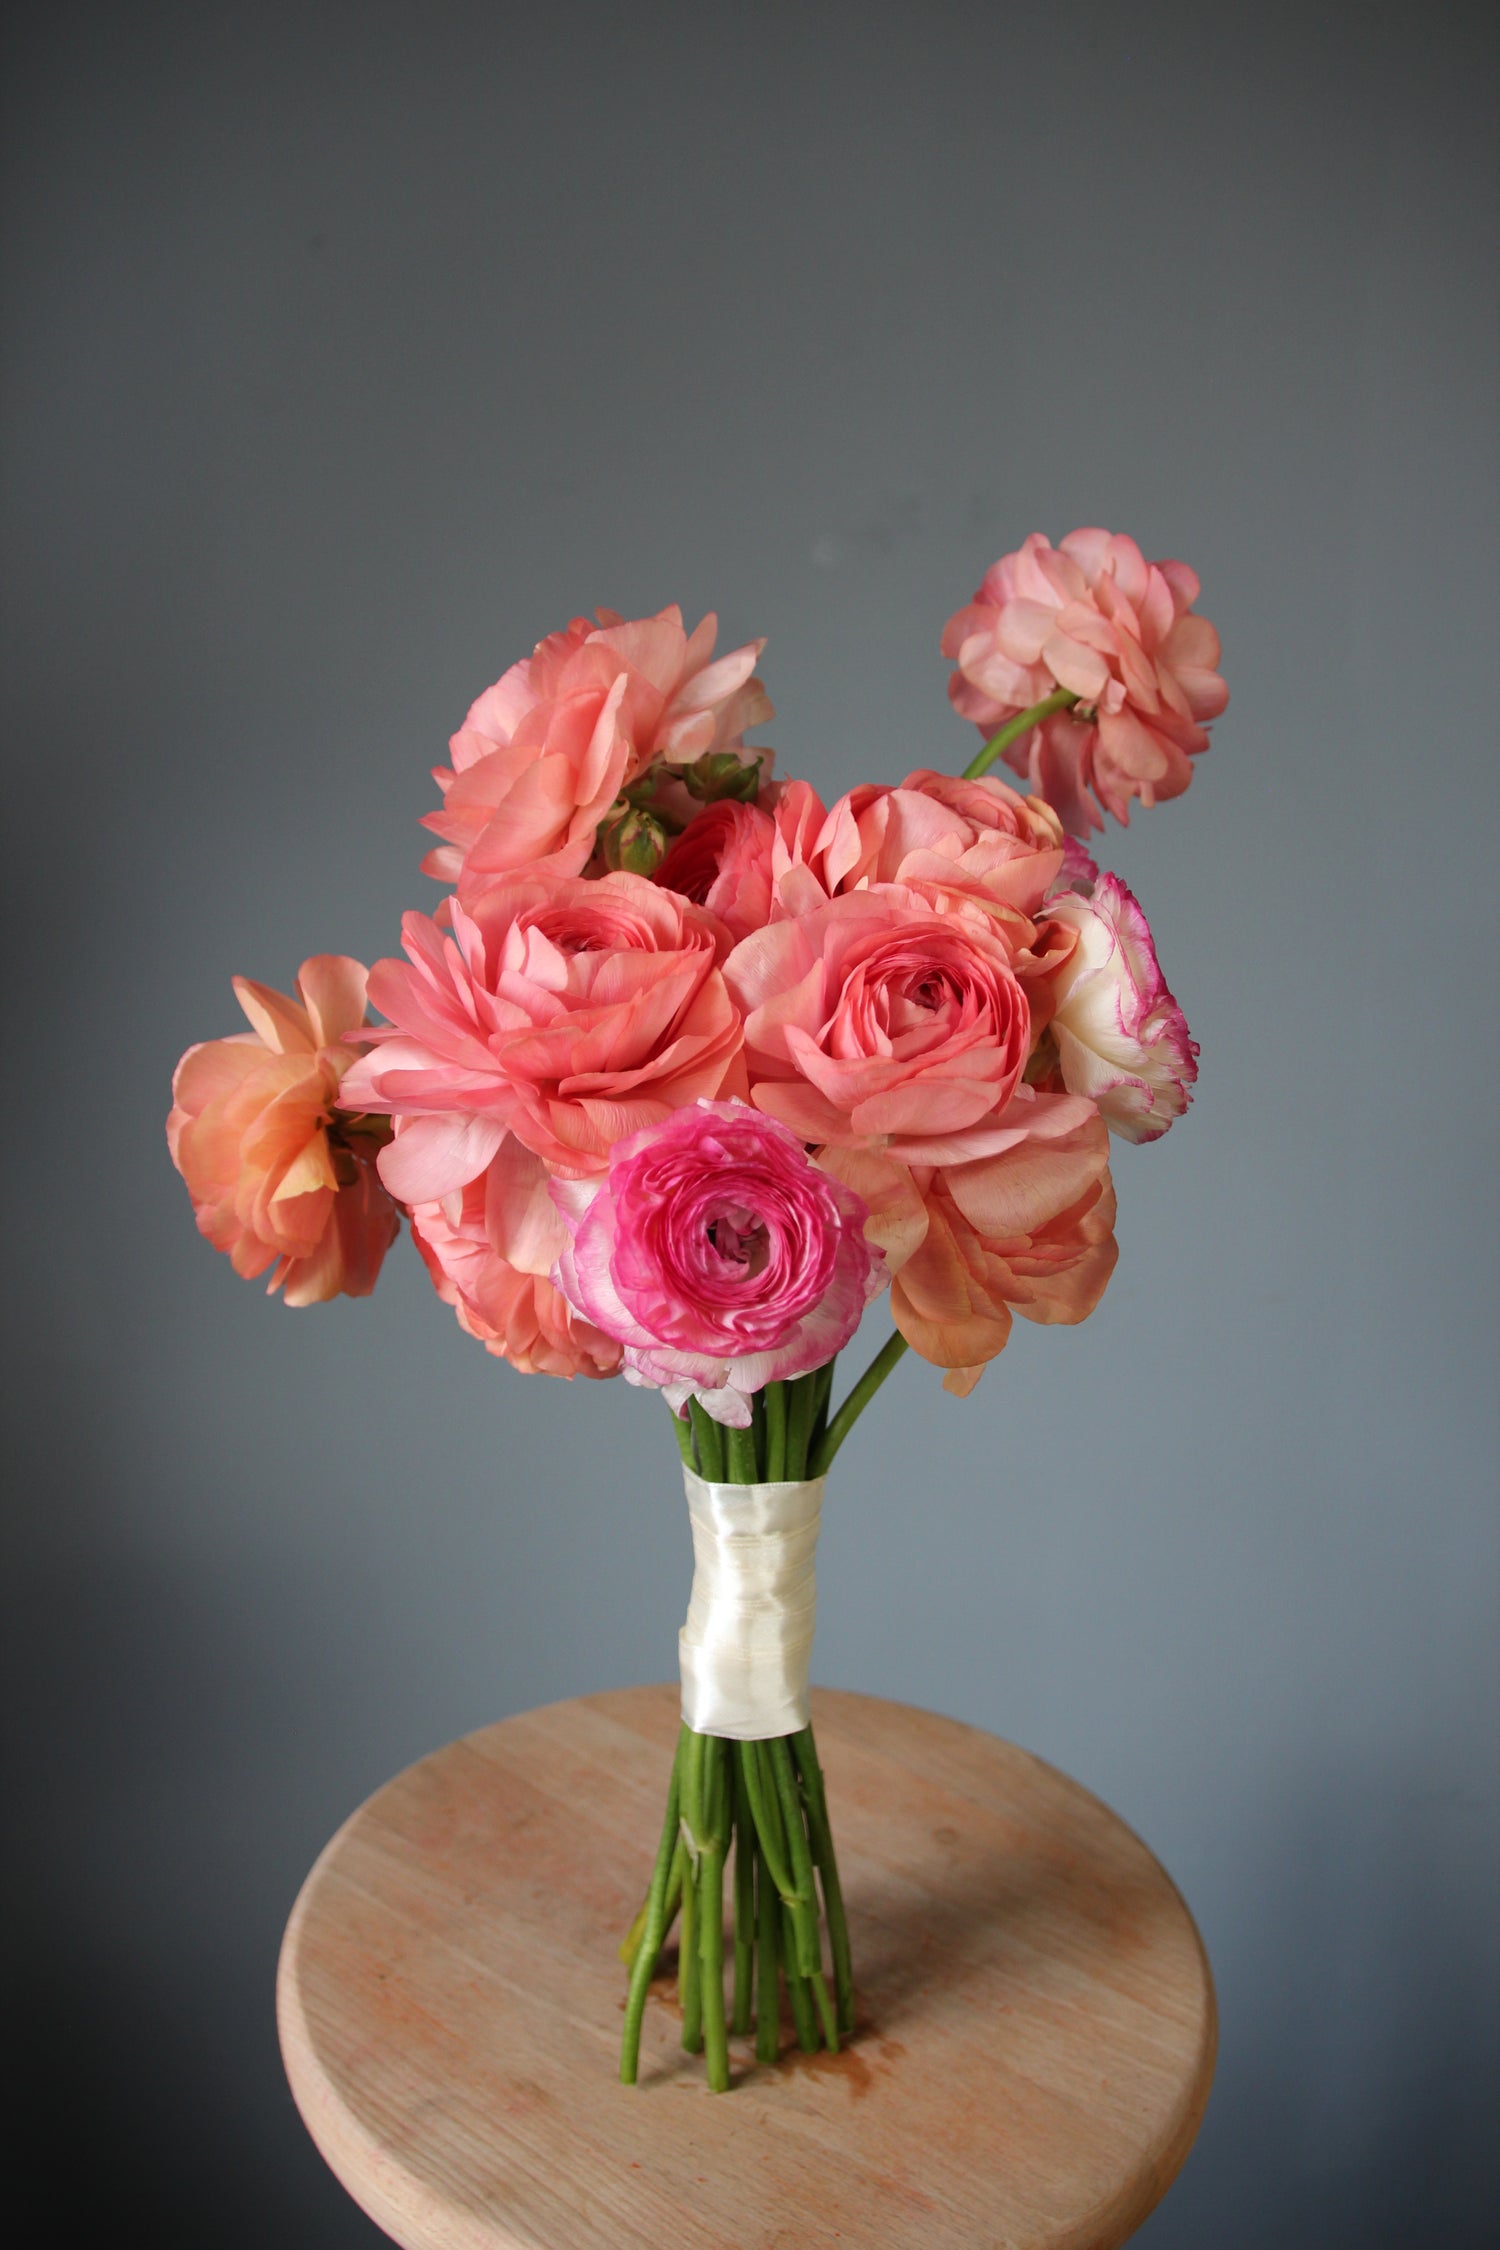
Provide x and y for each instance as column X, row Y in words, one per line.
column 1093, row 616
column 720, row 1257
column 544, row 752
column 878, row 1018
column 1121, row 1037
column 490, row 1251
column 566, row 1011
column 977, row 837
column 278, row 1175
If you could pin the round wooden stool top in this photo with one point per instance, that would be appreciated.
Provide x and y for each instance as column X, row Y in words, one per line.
column 1036, row 2013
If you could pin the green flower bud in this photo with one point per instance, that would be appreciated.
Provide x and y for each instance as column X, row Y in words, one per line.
column 719, row 773
column 633, row 840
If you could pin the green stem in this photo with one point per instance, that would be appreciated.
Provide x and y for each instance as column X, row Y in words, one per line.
column 859, row 1398
column 767, row 1964
column 760, row 1789
column 689, row 1960
column 744, row 1899
column 804, row 1901
column 799, row 1427
column 739, row 1451
column 684, row 1430
column 1059, row 700
column 821, row 1396
column 820, row 1829
column 711, row 1915
column 775, row 1433
column 655, row 1929
column 689, row 1972
column 804, row 2014
column 710, row 1442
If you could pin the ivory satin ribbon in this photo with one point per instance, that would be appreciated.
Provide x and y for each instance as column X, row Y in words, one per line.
column 747, row 1643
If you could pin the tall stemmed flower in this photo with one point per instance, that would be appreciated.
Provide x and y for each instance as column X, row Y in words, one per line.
column 731, row 1272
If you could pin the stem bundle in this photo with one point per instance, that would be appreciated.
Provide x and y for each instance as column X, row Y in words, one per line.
column 765, row 1801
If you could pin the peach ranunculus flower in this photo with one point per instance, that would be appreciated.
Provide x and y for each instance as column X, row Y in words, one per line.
column 1120, row 1036
column 1029, row 1231
column 545, row 752
column 1093, row 616
column 566, row 1011
column 490, row 1251
column 878, row 1018
column 978, row 837
column 279, row 1172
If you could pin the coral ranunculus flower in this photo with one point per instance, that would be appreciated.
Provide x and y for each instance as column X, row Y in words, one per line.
column 490, row 1251
column 718, row 1255
column 1030, row 1231
column 979, row 837
column 875, row 1018
column 279, row 1174
column 544, row 753
column 566, row 1011
column 1093, row 616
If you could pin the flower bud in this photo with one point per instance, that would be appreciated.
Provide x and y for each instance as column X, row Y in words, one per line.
column 719, row 773
column 632, row 840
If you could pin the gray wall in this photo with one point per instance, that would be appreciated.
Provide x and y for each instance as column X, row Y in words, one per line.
column 346, row 351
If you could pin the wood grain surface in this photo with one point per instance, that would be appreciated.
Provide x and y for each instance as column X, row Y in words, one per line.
column 1036, row 2012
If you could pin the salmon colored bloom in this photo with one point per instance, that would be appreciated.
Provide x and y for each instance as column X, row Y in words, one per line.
column 490, row 1251
column 1093, row 616
column 723, row 860
column 977, row 837
column 718, row 1255
column 545, row 752
column 279, row 1173
column 566, row 1011
column 1029, row 1231
column 878, row 1018
column 1121, row 1037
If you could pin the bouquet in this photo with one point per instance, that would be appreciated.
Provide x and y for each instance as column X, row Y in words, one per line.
column 687, row 1069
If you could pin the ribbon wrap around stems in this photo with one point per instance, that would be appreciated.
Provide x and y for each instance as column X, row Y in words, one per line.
column 747, row 1643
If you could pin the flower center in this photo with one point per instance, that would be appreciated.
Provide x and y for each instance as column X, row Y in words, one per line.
column 738, row 1238
column 932, row 990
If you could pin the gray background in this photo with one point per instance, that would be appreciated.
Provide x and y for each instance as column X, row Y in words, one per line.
column 346, row 352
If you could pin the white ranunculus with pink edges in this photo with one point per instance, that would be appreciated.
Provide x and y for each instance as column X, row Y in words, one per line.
column 1121, row 1037
column 718, row 1255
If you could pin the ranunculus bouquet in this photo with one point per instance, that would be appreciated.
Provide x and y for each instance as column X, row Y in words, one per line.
column 687, row 1068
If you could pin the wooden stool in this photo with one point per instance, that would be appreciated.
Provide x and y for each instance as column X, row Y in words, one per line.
column 1036, row 2012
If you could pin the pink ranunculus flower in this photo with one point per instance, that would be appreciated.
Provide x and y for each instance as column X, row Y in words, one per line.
column 981, row 837
column 566, row 1011
column 544, row 753
column 1121, row 1037
column 723, row 860
column 879, row 1018
column 279, row 1173
column 490, row 1250
column 718, row 1255
column 1093, row 616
